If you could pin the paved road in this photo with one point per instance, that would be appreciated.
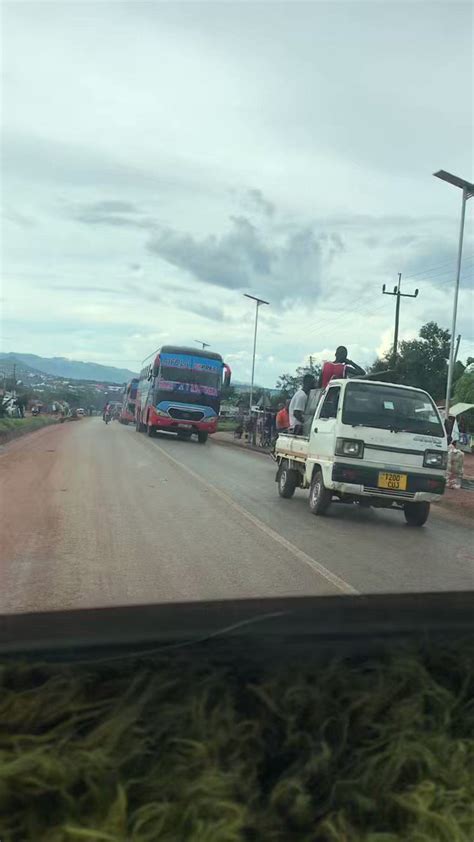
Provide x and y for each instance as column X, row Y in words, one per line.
column 94, row 515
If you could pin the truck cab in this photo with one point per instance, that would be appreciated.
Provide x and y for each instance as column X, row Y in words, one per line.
column 373, row 443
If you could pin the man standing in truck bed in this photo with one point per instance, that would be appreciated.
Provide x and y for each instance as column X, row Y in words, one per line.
column 298, row 403
column 341, row 367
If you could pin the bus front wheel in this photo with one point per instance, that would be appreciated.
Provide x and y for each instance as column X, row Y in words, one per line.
column 202, row 437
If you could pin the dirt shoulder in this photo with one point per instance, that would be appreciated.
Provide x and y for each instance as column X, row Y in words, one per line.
column 30, row 482
column 227, row 438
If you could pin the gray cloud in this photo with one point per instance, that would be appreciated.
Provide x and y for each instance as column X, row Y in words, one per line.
column 113, row 206
column 112, row 212
column 80, row 288
column 260, row 203
column 213, row 313
column 18, row 218
column 130, row 290
column 245, row 257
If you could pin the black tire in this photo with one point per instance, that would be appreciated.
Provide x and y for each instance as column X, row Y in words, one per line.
column 287, row 481
column 416, row 514
column 150, row 431
column 202, row 437
column 319, row 496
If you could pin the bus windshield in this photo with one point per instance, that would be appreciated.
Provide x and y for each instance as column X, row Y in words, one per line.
column 389, row 408
column 211, row 378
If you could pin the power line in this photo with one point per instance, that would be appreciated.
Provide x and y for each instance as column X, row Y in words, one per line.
column 357, row 305
column 428, row 271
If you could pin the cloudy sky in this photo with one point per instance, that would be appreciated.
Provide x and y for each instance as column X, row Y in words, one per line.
column 161, row 159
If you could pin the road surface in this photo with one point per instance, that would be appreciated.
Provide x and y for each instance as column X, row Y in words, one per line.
column 96, row 515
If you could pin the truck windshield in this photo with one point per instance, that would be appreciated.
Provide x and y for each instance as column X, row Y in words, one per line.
column 389, row 408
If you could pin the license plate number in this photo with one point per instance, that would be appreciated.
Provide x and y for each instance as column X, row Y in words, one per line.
column 395, row 482
column 184, row 426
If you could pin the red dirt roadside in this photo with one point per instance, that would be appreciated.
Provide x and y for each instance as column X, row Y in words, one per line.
column 30, row 479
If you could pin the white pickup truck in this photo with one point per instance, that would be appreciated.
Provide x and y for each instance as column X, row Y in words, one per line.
column 372, row 443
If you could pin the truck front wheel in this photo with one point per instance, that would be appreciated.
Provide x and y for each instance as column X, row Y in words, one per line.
column 287, row 481
column 319, row 496
column 416, row 514
column 202, row 437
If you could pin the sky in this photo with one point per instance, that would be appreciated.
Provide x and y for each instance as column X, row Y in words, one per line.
column 159, row 160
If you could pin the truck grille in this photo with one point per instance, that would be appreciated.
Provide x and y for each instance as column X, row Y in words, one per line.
column 409, row 495
column 186, row 414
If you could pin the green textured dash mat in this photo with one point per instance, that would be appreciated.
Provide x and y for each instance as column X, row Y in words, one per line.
column 187, row 750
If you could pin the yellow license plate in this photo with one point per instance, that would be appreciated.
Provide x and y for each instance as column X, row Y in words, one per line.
column 395, row 482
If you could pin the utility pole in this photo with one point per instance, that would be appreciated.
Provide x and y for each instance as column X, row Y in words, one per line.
column 458, row 341
column 399, row 294
column 258, row 302
column 14, row 379
column 203, row 344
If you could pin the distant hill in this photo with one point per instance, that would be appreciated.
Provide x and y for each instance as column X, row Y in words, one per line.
column 68, row 369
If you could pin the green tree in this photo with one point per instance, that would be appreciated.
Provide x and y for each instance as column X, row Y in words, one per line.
column 228, row 394
column 464, row 389
column 420, row 362
column 459, row 369
column 288, row 384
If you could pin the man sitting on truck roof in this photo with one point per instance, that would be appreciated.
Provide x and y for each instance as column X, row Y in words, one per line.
column 341, row 367
column 298, row 403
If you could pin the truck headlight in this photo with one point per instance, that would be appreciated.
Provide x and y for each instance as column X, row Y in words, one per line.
column 435, row 459
column 350, row 447
column 161, row 413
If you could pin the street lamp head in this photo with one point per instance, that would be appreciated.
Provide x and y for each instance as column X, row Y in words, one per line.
column 456, row 181
column 255, row 298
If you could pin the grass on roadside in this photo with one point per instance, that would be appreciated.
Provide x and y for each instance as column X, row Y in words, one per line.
column 24, row 425
column 228, row 425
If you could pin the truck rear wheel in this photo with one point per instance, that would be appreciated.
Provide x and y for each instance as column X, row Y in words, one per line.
column 319, row 496
column 287, row 481
column 416, row 514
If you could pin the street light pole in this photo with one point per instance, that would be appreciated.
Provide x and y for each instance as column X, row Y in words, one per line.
column 467, row 192
column 258, row 302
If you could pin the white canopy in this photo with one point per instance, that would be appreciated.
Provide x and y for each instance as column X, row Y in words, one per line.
column 459, row 408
